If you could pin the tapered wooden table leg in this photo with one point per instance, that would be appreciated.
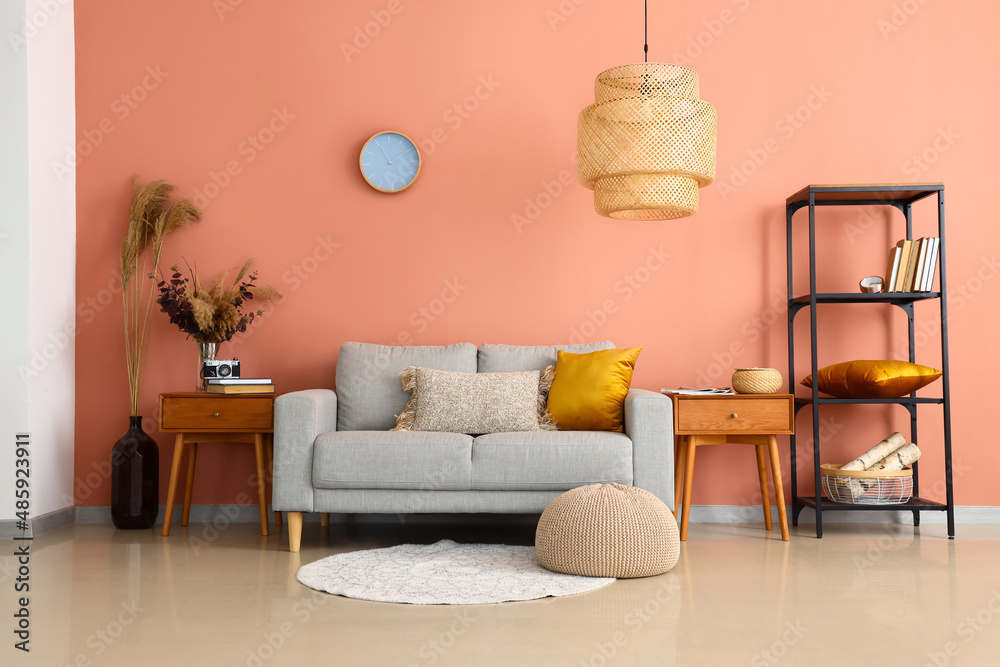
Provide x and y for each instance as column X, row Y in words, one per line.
column 175, row 468
column 189, row 485
column 258, row 444
column 692, row 446
column 679, row 459
column 269, row 448
column 779, row 492
column 762, row 477
column 294, row 531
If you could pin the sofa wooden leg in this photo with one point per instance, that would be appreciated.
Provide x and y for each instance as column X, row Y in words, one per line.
column 324, row 519
column 294, row 531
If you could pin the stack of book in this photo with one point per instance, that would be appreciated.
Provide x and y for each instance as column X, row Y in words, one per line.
column 240, row 386
column 912, row 265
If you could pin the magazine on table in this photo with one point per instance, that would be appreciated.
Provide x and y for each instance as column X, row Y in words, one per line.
column 707, row 391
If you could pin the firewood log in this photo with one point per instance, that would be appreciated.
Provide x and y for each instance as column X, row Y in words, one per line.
column 898, row 460
column 876, row 453
column 869, row 458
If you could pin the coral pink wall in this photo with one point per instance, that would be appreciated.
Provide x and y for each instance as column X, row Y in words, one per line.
column 282, row 97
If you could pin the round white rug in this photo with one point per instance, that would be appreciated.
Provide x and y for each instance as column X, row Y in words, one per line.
column 443, row 573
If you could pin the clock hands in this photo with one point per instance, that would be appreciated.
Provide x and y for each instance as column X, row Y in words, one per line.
column 392, row 159
column 401, row 154
column 383, row 151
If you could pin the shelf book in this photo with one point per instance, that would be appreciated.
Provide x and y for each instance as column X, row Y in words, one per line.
column 912, row 265
column 921, row 267
column 927, row 275
column 232, row 380
column 240, row 388
column 904, row 260
column 893, row 269
column 906, row 275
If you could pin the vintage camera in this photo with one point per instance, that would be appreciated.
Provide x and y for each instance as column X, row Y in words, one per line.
column 221, row 368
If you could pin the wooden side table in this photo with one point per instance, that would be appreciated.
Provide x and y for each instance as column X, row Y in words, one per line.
column 200, row 417
column 752, row 419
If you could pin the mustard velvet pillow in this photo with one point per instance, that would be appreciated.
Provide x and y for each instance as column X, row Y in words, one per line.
column 873, row 379
column 588, row 393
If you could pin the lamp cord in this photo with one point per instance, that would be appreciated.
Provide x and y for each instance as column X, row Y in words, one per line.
column 645, row 34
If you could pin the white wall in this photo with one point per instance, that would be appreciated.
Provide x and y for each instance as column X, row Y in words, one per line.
column 14, row 325
column 37, row 249
column 52, row 212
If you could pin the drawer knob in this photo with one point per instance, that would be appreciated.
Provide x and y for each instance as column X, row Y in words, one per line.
column 734, row 415
column 216, row 414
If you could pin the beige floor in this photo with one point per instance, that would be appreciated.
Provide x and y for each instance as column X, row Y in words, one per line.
column 863, row 595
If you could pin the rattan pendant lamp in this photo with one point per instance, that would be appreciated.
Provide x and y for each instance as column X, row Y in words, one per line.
column 647, row 144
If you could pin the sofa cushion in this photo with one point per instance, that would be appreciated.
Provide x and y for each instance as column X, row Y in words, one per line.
column 506, row 358
column 369, row 394
column 588, row 393
column 550, row 460
column 392, row 460
column 475, row 402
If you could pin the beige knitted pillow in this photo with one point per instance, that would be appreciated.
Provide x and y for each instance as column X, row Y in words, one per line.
column 475, row 403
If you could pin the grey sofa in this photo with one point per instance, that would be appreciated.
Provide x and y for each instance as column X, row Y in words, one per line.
column 334, row 450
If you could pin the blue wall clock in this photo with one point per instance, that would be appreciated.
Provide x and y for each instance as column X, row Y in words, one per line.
column 390, row 162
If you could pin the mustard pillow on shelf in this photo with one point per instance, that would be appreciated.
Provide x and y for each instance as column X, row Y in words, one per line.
column 873, row 379
column 588, row 393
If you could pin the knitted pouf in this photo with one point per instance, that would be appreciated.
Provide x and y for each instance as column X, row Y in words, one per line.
column 607, row 530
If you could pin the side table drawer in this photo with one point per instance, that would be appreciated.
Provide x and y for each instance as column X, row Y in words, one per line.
column 769, row 415
column 242, row 413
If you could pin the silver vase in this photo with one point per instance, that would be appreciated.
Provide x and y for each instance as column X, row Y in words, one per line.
column 206, row 352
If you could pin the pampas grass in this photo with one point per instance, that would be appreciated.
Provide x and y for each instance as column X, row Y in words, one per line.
column 151, row 218
column 213, row 313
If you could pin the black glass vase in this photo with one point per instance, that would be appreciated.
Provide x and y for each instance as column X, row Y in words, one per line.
column 135, row 479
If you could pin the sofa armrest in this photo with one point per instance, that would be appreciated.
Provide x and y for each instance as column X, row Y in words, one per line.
column 649, row 422
column 299, row 417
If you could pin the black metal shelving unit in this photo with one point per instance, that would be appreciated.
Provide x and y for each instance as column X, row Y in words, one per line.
column 901, row 196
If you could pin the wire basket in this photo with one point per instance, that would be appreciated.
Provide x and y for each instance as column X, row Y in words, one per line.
column 859, row 487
